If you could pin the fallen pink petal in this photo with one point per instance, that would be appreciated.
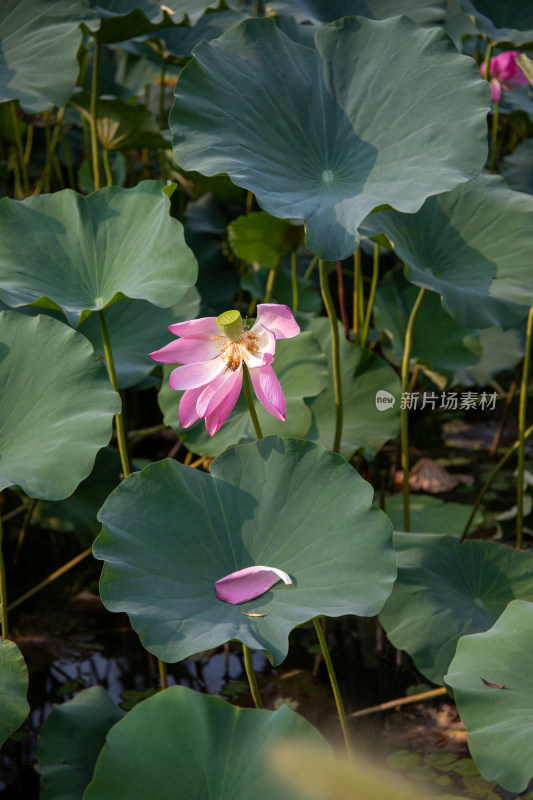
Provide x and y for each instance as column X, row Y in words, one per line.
column 249, row 583
column 213, row 352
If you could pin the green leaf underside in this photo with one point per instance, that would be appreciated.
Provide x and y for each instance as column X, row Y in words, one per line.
column 511, row 21
column 301, row 370
column 84, row 253
column 329, row 157
column 499, row 721
column 170, row 532
column 203, row 746
column 126, row 19
column 423, row 12
column 14, row 707
column 262, row 238
column 445, row 590
column 70, row 742
column 363, row 374
column 471, row 246
column 56, row 405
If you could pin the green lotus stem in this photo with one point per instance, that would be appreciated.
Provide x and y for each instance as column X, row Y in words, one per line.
column 373, row 287
column 310, row 268
column 107, row 167
column 94, row 114
column 68, row 160
column 20, row 149
column 294, row 274
column 54, row 575
column 506, row 456
column 44, row 180
column 119, row 419
column 162, row 125
column 249, row 202
column 250, row 402
column 521, row 432
column 270, row 285
column 404, row 412
column 3, row 590
column 335, row 351
column 162, row 668
column 29, row 143
column 494, row 136
column 142, row 432
column 333, row 680
column 486, row 61
column 23, row 529
column 357, row 289
column 11, row 514
column 250, row 674
column 400, row 701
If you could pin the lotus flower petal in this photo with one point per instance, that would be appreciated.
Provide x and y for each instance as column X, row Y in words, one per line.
column 246, row 584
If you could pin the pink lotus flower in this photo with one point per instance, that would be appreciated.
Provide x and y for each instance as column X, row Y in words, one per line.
column 249, row 583
column 213, row 351
column 504, row 73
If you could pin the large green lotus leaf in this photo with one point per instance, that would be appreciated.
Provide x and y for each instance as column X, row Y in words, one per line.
column 78, row 512
column 14, row 707
column 135, row 329
column 301, row 369
column 423, row 12
column 366, row 425
column 472, row 246
column 56, row 405
column 393, row 304
column 121, row 125
column 70, row 741
column 511, row 21
column 446, row 590
column 310, row 139
column 430, row 514
column 183, row 745
column 500, row 350
column 39, row 40
column 170, row 531
column 84, row 253
column 125, row 19
column 262, row 238
column 517, row 169
column 498, row 717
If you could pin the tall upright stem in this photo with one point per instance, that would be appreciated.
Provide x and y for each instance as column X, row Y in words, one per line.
column 20, row 149
column 294, row 276
column 404, row 411
column 270, row 285
column 335, row 351
column 373, row 287
column 94, row 114
column 3, row 589
column 357, row 287
column 333, row 680
column 494, row 136
column 250, row 674
column 107, row 167
column 250, row 402
column 521, row 432
column 119, row 419
column 503, row 460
